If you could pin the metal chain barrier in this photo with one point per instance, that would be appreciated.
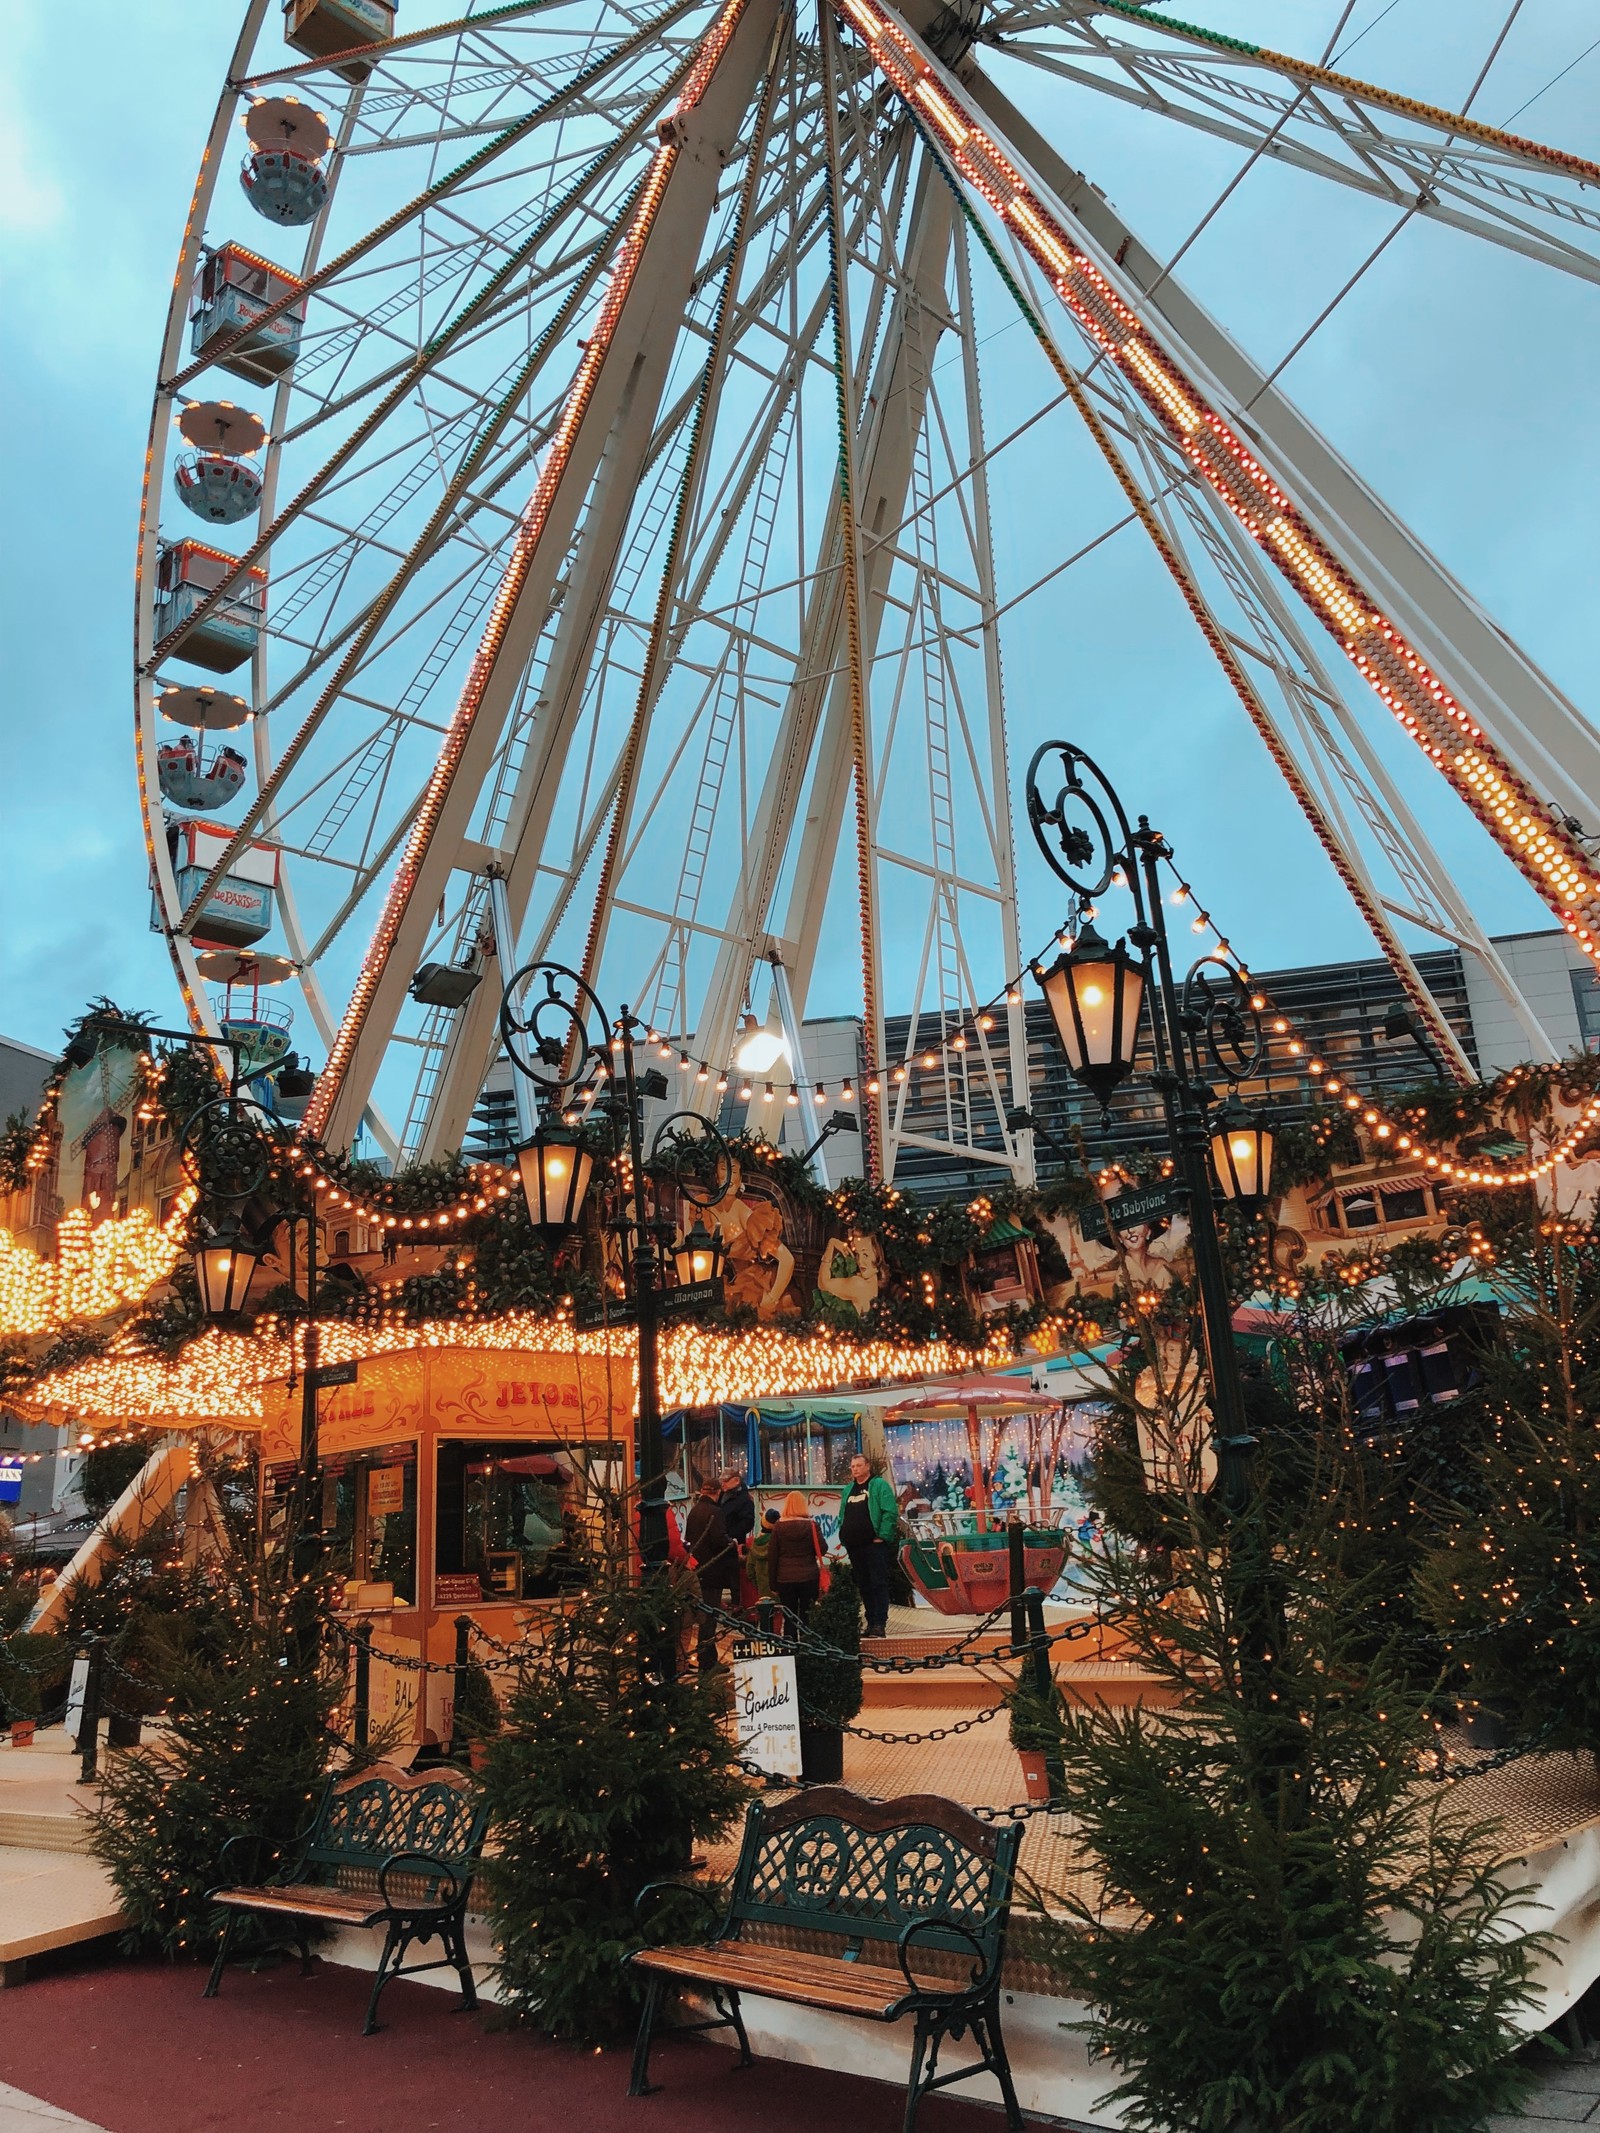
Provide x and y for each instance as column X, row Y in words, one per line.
column 918, row 1740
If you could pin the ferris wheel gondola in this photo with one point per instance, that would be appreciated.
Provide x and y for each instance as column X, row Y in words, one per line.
column 612, row 568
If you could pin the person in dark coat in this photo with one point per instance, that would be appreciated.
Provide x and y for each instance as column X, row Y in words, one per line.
column 716, row 1565
column 738, row 1508
column 794, row 1559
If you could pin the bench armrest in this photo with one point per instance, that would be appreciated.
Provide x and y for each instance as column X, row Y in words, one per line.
column 711, row 1897
column 983, row 1976
column 258, row 1863
column 422, row 1862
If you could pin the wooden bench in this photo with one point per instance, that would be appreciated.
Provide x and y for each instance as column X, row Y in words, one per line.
column 920, row 1874
column 386, row 1847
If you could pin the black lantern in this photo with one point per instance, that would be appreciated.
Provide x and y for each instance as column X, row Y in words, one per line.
column 1241, row 1154
column 699, row 1256
column 224, row 1262
column 555, row 1169
column 1095, row 995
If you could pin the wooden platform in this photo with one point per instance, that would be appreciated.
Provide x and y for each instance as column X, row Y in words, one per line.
column 53, row 1894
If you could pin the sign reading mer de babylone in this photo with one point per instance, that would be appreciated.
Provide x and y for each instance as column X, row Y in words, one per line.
column 766, row 1708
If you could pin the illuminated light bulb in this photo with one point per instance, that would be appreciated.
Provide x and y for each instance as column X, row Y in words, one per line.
column 899, row 1074
column 793, row 1096
column 766, row 1093
column 745, row 1092
column 847, row 1095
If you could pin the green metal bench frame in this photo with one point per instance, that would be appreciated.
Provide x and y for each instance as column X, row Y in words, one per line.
column 414, row 1839
column 919, row 1872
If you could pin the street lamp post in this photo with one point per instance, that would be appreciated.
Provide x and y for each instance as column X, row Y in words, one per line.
column 1097, row 995
column 550, row 1036
column 227, row 1151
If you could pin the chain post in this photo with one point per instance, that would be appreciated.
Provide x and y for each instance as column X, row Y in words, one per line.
column 1018, row 1572
column 1038, row 1640
column 363, row 1690
column 89, row 1718
column 458, row 1741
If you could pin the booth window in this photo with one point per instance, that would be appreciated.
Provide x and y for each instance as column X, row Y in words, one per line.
column 807, row 1450
column 703, row 1442
column 523, row 1518
column 369, row 1509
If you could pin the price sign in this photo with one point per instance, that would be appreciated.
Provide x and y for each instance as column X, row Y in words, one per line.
column 766, row 1708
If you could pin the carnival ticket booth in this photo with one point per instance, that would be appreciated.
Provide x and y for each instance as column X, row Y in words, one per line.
column 455, row 1481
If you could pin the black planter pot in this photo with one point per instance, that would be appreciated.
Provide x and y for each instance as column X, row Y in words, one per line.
column 821, row 1754
column 122, row 1729
column 1484, row 1726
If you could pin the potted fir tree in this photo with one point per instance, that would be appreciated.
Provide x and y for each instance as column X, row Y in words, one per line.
column 828, row 1678
column 1037, row 1716
column 477, row 1712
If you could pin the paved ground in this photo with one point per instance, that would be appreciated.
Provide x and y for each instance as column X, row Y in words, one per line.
column 1568, row 2094
column 105, row 2045
column 130, row 2047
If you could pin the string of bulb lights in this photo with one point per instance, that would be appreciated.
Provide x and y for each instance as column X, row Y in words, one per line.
column 1327, row 1085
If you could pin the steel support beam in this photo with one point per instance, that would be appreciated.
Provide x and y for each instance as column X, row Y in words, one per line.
column 623, row 372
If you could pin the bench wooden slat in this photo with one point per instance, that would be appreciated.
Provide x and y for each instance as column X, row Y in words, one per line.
column 823, row 1981
column 305, row 1899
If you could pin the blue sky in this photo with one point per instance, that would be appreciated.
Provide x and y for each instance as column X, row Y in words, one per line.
column 1458, row 379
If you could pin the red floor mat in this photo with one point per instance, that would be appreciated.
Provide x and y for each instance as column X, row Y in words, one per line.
column 133, row 2047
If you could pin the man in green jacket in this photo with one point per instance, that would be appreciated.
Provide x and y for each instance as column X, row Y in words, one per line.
column 869, row 1518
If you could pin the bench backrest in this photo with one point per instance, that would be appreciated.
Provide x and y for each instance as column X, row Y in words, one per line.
column 829, row 1861
column 368, row 1818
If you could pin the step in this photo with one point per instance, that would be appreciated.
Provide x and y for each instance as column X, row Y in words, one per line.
column 44, row 1830
column 49, row 1899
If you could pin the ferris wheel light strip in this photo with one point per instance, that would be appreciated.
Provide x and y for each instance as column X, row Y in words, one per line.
column 1536, row 841
column 529, row 534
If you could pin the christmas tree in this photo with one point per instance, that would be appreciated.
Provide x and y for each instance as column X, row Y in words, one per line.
column 243, row 1754
column 1292, row 1928
column 1512, row 1583
column 608, row 1770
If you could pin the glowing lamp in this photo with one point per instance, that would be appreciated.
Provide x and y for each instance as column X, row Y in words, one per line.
column 1241, row 1154
column 224, row 1262
column 555, row 1169
column 760, row 1047
column 699, row 1256
column 1095, row 995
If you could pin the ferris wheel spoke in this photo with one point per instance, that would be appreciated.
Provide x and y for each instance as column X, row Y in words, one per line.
column 1327, row 776
column 1448, row 168
column 462, row 174
column 1525, row 763
column 1334, row 753
column 472, row 27
column 682, row 189
column 364, row 635
column 425, row 364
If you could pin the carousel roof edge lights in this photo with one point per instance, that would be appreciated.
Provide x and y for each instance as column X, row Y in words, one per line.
column 225, row 1378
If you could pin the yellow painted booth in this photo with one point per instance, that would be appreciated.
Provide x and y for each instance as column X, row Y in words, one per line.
column 455, row 1481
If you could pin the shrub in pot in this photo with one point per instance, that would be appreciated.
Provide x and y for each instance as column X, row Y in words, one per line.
column 828, row 1678
column 1037, row 1717
column 478, row 1717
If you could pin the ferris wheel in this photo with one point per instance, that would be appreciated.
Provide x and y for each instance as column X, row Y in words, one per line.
column 571, row 490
